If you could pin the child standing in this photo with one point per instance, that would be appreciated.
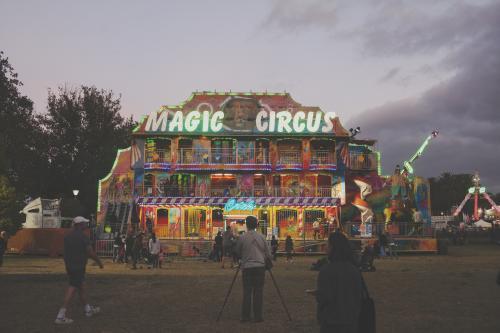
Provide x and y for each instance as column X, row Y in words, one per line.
column 274, row 247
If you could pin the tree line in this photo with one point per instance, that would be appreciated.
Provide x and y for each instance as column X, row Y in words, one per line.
column 70, row 146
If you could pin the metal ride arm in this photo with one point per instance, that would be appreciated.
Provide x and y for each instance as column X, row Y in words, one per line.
column 459, row 208
column 408, row 165
column 493, row 204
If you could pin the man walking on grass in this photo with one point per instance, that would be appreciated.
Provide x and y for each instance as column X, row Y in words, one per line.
column 76, row 251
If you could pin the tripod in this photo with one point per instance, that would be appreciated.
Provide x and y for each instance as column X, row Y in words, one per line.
column 275, row 285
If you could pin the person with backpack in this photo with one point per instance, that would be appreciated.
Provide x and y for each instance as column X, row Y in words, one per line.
column 339, row 289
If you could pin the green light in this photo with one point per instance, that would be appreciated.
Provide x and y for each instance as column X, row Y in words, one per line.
column 379, row 162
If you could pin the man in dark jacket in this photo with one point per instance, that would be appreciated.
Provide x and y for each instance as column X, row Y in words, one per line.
column 77, row 249
column 137, row 249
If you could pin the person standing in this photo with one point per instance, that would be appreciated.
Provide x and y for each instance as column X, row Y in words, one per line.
column 129, row 245
column 117, row 243
column 274, row 247
column 77, row 249
column 383, row 244
column 3, row 246
column 253, row 251
column 154, row 249
column 137, row 249
column 289, row 249
column 218, row 247
column 326, row 225
column 316, row 228
column 227, row 245
column 339, row 288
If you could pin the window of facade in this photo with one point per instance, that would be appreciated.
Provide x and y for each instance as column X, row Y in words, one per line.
column 195, row 222
column 287, row 224
column 310, row 216
column 223, row 185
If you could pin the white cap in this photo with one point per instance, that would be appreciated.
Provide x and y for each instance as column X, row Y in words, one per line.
column 80, row 219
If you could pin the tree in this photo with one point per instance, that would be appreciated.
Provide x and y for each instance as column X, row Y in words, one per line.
column 83, row 129
column 449, row 190
column 10, row 219
column 20, row 154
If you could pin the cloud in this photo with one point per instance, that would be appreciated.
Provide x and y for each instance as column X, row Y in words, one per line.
column 463, row 38
column 296, row 15
column 390, row 74
column 466, row 107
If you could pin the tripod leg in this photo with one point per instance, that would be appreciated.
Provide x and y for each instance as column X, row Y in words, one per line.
column 279, row 295
column 228, row 293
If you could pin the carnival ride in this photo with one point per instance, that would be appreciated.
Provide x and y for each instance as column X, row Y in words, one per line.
column 403, row 190
column 407, row 169
column 476, row 190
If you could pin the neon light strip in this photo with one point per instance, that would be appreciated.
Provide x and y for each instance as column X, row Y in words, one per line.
column 379, row 162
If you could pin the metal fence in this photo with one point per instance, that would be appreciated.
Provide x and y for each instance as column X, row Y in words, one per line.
column 222, row 156
column 104, row 248
column 405, row 229
column 289, row 157
column 360, row 161
column 234, row 191
column 322, row 157
column 158, row 156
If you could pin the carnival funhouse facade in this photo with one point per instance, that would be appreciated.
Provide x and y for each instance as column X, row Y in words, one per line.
column 195, row 168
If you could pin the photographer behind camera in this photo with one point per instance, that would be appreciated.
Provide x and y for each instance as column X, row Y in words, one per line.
column 255, row 255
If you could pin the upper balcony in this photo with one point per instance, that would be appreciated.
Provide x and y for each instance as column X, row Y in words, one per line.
column 221, row 158
column 158, row 156
column 289, row 160
column 323, row 160
column 232, row 191
column 363, row 161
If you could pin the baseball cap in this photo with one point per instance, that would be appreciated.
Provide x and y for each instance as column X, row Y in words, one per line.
column 80, row 219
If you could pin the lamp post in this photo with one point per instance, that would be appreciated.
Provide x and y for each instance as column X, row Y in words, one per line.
column 75, row 192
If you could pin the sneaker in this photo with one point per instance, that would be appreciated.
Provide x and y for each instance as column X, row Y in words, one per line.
column 92, row 311
column 63, row 320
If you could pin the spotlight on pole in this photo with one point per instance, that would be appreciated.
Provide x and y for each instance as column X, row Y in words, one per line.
column 354, row 131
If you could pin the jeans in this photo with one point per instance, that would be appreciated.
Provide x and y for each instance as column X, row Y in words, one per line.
column 253, row 290
column 155, row 259
column 116, row 251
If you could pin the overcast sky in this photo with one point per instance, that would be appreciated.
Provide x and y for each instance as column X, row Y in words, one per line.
column 396, row 68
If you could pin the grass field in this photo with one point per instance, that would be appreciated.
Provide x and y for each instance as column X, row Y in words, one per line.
column 453, row 293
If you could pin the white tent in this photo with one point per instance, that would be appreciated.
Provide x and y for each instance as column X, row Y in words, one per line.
column 482, row 224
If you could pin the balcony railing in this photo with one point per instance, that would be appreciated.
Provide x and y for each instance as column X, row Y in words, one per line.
column 321, row 157
column 233, row 191
column 289, row 157
column 222, row 156
column 360, row 161
column 158, row 156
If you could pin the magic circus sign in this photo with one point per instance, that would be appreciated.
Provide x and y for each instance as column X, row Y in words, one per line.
column 238, row 114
